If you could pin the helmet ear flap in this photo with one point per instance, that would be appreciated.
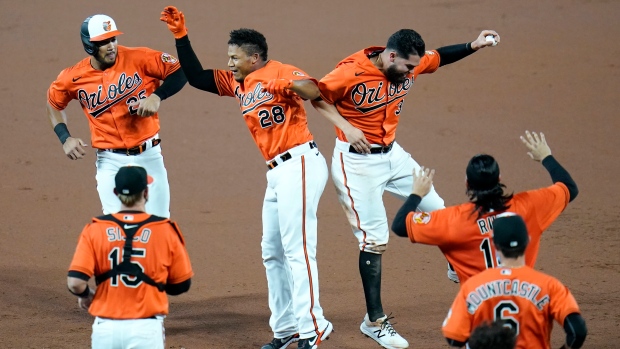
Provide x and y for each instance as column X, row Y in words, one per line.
column 89, row 47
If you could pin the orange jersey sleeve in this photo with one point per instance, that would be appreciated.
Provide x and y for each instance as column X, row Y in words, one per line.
column 539, row 208
column 158, row 248
column 364, row 96
column 525, row 299
column 105, row 96
column 277, row 123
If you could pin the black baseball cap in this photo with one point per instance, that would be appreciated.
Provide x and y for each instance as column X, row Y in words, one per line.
column 482, row 172
column 510, row 231
column 131, row 180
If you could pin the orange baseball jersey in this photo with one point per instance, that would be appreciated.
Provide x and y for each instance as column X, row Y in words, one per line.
column 105, row 95
column 158, row 248
column 524, row 298
column 465, row 239
column 364, row 96
column 277, row 123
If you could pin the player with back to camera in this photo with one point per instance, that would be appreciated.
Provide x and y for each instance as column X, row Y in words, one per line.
column 136, row 259
column 525, row 299
column 270, row 95
column 462, row 232
column 119, row 91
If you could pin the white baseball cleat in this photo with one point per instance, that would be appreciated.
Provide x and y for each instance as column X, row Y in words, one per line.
column 383, row 333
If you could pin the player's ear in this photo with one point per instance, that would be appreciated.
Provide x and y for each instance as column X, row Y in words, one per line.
column 146, row 193
column 255, row 58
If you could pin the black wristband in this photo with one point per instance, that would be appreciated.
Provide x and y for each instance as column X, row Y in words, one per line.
column 62, row 132
column 84, row 294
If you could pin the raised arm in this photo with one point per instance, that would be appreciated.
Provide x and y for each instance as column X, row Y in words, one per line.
column 202, row 79
column 539, row 151
column 453, row 53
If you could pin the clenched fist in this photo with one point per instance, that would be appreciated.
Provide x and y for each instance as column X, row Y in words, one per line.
column 278, row 86
column 175, row 21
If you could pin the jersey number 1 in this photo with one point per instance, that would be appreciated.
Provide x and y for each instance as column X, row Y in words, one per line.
column 485, row 247
column 116, row 257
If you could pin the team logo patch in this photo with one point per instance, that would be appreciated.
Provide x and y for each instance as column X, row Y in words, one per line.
column 107, row 26
column 421, row 217
column 298, row 73
column 168, row 58
column 430, row 52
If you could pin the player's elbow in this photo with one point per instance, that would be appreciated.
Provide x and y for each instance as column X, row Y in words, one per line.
column 576, row 330
column 399, row 227
column 76, row 285
column 177, row 289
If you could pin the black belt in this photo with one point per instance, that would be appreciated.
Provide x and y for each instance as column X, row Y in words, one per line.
column 137, row 149
column 375, row 150
column 287, row 156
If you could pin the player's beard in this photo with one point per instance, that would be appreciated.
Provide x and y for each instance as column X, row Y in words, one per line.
column 394, row 76
column 104, row 63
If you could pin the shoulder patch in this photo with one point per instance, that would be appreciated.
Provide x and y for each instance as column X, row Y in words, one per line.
column 421, row 217
column 298, row 73
column 168, row 58
column 430, row 52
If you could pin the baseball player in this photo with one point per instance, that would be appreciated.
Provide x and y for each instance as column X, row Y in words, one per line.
column 135, row 257
column 492, row 335
column 525, row 299
column 462, row 232
column 363, row 97
column 270, row 95
column 119, row 91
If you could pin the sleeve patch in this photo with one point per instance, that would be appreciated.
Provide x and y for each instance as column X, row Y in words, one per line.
column 298, row 73
column 168, row 58
column 421, row 217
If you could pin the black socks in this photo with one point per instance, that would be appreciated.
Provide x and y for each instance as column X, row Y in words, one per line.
column 370, row 271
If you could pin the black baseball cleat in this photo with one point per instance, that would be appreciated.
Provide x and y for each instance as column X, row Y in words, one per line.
column 281, row 343
column 313, row 342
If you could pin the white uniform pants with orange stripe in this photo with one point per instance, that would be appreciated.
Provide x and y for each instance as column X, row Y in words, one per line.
column 109, row 163
column 122, row 334
column 289, row 244
column 361, row 180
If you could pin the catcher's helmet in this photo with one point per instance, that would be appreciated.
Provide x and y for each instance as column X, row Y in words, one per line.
column 97, row 28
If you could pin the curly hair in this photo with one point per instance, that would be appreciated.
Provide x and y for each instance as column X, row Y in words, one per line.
column 494, row 335
column 250, row 40
column 406, row 42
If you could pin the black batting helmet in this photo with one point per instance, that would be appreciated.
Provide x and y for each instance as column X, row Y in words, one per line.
column 97, row 28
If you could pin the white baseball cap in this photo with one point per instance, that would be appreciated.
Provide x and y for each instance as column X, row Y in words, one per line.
column 102, row 27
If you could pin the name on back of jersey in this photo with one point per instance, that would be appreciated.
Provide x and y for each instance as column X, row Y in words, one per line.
column 115, row 234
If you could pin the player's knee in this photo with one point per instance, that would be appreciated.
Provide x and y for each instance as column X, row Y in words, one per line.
column 372, row 248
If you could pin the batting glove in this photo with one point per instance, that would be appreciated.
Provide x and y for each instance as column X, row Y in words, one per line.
column 277, row 86
column 175, row 21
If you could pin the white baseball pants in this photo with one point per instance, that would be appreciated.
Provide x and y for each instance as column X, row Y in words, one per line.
column 289, row 242
column 124, row 334
column 361, row 180
column 109, row 163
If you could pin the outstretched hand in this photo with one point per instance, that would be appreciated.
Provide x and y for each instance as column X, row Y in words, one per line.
column 481, row 41
column 422, row 181
column 175, row 21
column 537, row 145
column 278, row 86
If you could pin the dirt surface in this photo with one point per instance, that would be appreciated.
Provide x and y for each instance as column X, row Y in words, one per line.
column 555, row 71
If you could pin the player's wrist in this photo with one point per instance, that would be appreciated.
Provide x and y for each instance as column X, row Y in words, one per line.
column 62, row 132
